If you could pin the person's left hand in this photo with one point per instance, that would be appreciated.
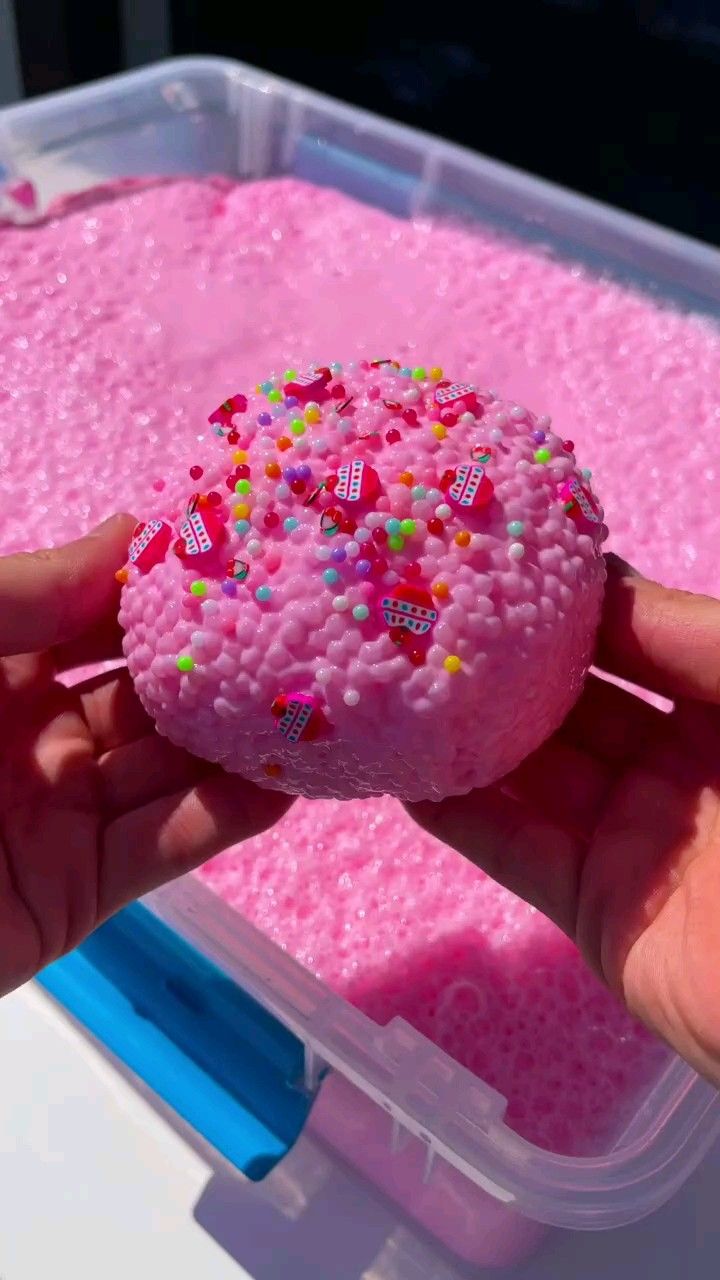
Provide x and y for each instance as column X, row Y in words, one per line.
column 95, row 807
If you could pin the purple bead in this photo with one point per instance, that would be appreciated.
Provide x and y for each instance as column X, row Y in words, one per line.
column 264, row 420
column 304, row 472
column 289, row 474
column 339, row 554
column 228, row 588
column 363, row 566
column 538, row 436
column 290, row 402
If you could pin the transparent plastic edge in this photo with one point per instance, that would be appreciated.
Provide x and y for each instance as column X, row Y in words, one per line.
column 457, row 1115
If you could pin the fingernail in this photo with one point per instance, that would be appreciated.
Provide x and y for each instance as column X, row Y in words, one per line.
column 620, row 568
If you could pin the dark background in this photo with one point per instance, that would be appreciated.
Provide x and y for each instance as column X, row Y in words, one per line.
column 616, row 98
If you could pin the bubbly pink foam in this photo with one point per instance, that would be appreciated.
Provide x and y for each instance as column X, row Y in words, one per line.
column 367, row 625
column 127, row 315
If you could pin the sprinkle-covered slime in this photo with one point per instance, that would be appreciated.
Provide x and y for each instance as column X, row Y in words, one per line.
column 135, row 309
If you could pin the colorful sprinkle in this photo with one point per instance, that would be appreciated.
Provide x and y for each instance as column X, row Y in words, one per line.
column 283, row 443
column 272, row 769
column 290, row 524
column 438, row 430
column 452, row 664
column 185, row 662
column 263, row 594
column 361, row 612
column 243, row 486
column 351, row 697
column 542, row 455
column 418, row 492
column 515, row 528
column 297, row 426
column 392, row 525
column 241, row 510
column 407, row 527
column 242, row 527
column 436, row 527
column 340, row 604
column 419, row 374
column 462, row 538
column 436, row 373
column 331, row 576
column 440, row 589
column 516, row 551
column 406, row 477
column 275, row 396
column 198, row 588
column 396, row 542
column 272, row 470
column 195, row 473
column 121, row 576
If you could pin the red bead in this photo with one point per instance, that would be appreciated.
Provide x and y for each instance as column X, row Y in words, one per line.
column 338, row 392
column 180, row 547
column 410, row 417
column 417, row 657
column 568, row 446
column 231, row 481
column 271, row 519
column 232, row 437
column 298, row 486
column 379, row 535
column 380, row 566
column 448, row 419
column 436, row 527
column 331, row 483
column 399, row 635
column 447, row 479
column 242, row 472
column 393, row 436
column 413, row 570
column 348, row 525
column 214, row 498
column 195, row 473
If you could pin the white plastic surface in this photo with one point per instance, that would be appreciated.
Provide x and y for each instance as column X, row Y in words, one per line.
column 204, row 115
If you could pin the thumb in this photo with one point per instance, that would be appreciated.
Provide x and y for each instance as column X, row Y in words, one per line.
column 664, row 640
column 52, row 596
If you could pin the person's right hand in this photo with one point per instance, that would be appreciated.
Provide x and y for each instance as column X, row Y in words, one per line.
column 613, row 827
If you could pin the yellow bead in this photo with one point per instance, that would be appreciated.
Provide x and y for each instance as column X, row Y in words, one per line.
column 452, row 664
column 436, row 373
column 440, row 589
column 463, row 538
column 407, row 477
column 241, row 511
column 438, row 430
column 312, row 415
column 239, row 456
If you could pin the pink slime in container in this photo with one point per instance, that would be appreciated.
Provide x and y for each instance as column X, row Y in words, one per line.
column 136, row 308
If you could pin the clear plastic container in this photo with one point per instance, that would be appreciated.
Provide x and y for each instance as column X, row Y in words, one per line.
column 423, row 1128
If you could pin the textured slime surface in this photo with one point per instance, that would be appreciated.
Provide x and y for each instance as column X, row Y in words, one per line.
column 124, row 319
column 377, row 558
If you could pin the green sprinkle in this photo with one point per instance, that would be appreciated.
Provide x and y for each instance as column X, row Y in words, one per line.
column 290, row 375
column 407, row 527
column 542, row 455
column 419, row 374
column 198, row 588
column 243, row 486
column 185, row 662
column 274, row 396
column 396, row 542
column 297, row 426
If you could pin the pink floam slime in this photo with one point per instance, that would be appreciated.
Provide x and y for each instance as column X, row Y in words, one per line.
column 364, row 569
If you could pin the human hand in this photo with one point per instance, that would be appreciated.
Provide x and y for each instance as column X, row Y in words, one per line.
column 612, row 828
column 95, row 807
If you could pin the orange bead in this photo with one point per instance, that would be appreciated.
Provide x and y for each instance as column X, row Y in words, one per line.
column 202, row 500
column 272, row 770
column 121, row 576
column 273, row 470
column 240, row 455
column 463, row 538
column 407, row 477
column 283, row 443
column 440, row 589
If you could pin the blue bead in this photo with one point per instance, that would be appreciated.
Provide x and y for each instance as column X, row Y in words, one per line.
column 242, row 526
column 405, row 372
column 290, row 524
column 266, row 388
column 330, row 576
column 339, row 554
column 263, row 593
column 363, row 566
column 392, row 525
